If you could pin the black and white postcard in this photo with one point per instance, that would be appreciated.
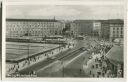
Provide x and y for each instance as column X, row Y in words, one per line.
column 77, row 39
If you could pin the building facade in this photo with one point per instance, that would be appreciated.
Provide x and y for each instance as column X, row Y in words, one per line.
column 17, row 28
column 97, row 28
column 105, row 29
column 116, row 29
column 74, row 29
column 112, row 29
column 83, row 27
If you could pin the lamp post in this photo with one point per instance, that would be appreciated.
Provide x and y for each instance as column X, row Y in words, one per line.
column 42, row 34
column 62, row 63
column 28, row 51
column 28, row 39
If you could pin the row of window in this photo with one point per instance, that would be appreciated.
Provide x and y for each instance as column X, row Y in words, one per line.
column 114, row 32
column 32, row 32
column 117, row 28
column 33, row 29
column 44, row 31
column 116, row 25
column 32, row 23
column 118, row 35
column 31, row 26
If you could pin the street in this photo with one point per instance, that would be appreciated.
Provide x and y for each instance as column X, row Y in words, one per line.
column 43, row 63
column 66, row 67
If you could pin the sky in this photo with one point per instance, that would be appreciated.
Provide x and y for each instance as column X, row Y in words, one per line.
column 112, row 9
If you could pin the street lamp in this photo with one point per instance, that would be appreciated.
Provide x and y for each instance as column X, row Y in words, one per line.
column 28, row 39
column 62, row 63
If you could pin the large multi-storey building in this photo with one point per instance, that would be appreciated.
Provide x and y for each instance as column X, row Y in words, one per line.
column 16, row 28
column 116, row 29
column 97, row 28
column 86, row 27
column 105, row 29
column 112, row 29
column 73, row 29
column 83, row 27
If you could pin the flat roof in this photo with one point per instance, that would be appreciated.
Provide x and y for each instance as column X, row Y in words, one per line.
column 35, row 20
column 116, row 54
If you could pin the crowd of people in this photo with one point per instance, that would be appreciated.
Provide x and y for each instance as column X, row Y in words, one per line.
column 98, row 65
column 96, row 46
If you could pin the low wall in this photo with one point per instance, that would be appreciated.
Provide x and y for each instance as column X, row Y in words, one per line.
column 33, row 41
column 16, row 61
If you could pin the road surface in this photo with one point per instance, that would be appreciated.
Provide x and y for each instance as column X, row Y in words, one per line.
column 77, row 63
column 69, row 68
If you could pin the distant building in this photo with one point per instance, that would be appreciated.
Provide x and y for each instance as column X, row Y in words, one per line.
column 74, row 29
column 97, row 28
column 116, row 29
column 83, row 27
column 112, row 29
column 105, row 29
column 16, row 28
column 67, row 28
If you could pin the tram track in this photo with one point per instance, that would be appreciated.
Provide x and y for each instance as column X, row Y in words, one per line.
column 48, row 61
column 74, row 53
